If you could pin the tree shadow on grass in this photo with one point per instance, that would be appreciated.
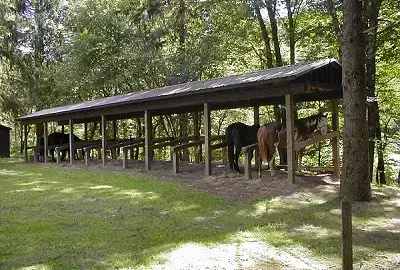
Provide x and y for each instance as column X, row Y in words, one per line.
column 104, row 220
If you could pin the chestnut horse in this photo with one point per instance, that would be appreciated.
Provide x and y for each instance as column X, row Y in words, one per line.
column 237, row 136
column 273, row 135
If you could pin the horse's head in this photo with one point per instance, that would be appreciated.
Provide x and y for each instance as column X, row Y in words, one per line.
column 322, row 123
column 306, row 126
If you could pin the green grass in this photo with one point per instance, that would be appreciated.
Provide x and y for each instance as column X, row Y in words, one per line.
column 72, row 219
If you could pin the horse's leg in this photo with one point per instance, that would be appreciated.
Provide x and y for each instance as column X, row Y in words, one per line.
column 231, row 155
column 260, row 161
column 271, row 158
column 236, row 159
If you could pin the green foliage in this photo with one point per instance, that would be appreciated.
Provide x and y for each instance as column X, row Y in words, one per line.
column 56, row 52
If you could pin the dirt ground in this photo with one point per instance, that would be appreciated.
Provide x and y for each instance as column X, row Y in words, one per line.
column 222, row 182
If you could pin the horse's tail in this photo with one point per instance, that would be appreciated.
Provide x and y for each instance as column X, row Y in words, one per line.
column 262, row 143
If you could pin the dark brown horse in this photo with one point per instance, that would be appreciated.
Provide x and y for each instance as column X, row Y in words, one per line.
column 237, row 136
column 273, row 135
column 55, row 139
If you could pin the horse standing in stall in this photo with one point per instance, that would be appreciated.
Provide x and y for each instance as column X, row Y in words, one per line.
column 237, row 136
column 57, row 138
column 273, row 135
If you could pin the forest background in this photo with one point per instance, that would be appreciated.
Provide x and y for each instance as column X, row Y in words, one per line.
column 58, row 52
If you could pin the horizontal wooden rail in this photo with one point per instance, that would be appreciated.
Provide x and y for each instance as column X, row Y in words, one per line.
column 187, row 145
column 80, row 144
column 318, row 138
column 173, row 142
column 218, row 145
column 125, row 152
column 174, row 150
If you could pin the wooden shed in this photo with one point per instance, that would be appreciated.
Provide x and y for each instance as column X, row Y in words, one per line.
column 4, row 141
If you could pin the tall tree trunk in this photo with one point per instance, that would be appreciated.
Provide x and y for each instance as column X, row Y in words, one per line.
column 271, row 8
column 355, row 182
column 291, row 33
column 380, row 170
column 336, row 24
column 374, row 129
column 183, row 118
column 264, row 34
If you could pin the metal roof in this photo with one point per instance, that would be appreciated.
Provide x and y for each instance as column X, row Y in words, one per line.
column 273, row 75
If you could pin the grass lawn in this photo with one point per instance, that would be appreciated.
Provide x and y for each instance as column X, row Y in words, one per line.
column 52, row 218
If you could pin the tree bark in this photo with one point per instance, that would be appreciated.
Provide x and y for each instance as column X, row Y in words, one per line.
column 264, row 34
column 271, row 8
column 336, row 24
column 291, row 33
column 374, row 129
column 355, row 182
column 183, row 130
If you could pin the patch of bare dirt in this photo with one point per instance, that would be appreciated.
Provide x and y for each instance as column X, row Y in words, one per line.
column 223, row 183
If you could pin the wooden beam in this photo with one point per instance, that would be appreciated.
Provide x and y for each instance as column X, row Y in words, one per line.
column 247, row 161
column 318, row 138
column 147, row 138
column 196, row 131
column 175, row 162
column 103, row 140
column 207, row 138
column 86, row 131
column 256, row 110
column 219, row 145
column 71, row 142
column 26, row 142
column 45, row 141
column 39, row 133
column 335, row 140
column 176, row 149
column 290, row 137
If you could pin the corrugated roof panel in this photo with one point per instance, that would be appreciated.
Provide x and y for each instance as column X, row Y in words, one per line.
column 267, row 76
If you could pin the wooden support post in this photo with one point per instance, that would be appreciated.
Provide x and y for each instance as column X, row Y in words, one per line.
column 335, row 140
column 71, row 142
column 35, row 154
column 26, row 143
column 103, row 140
column 256, row 110
column 247, row 165
column 39, row 133
column 45, row 142
column 175, row 162
column 347, row 236
column 196, row 129
column 290, row 138
column 87, row 157
column 124, row 158
column 147, row 138
column 86, row 131
column 113, row 151
column 224, row 155
column 207, row 138
column 62, row 129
